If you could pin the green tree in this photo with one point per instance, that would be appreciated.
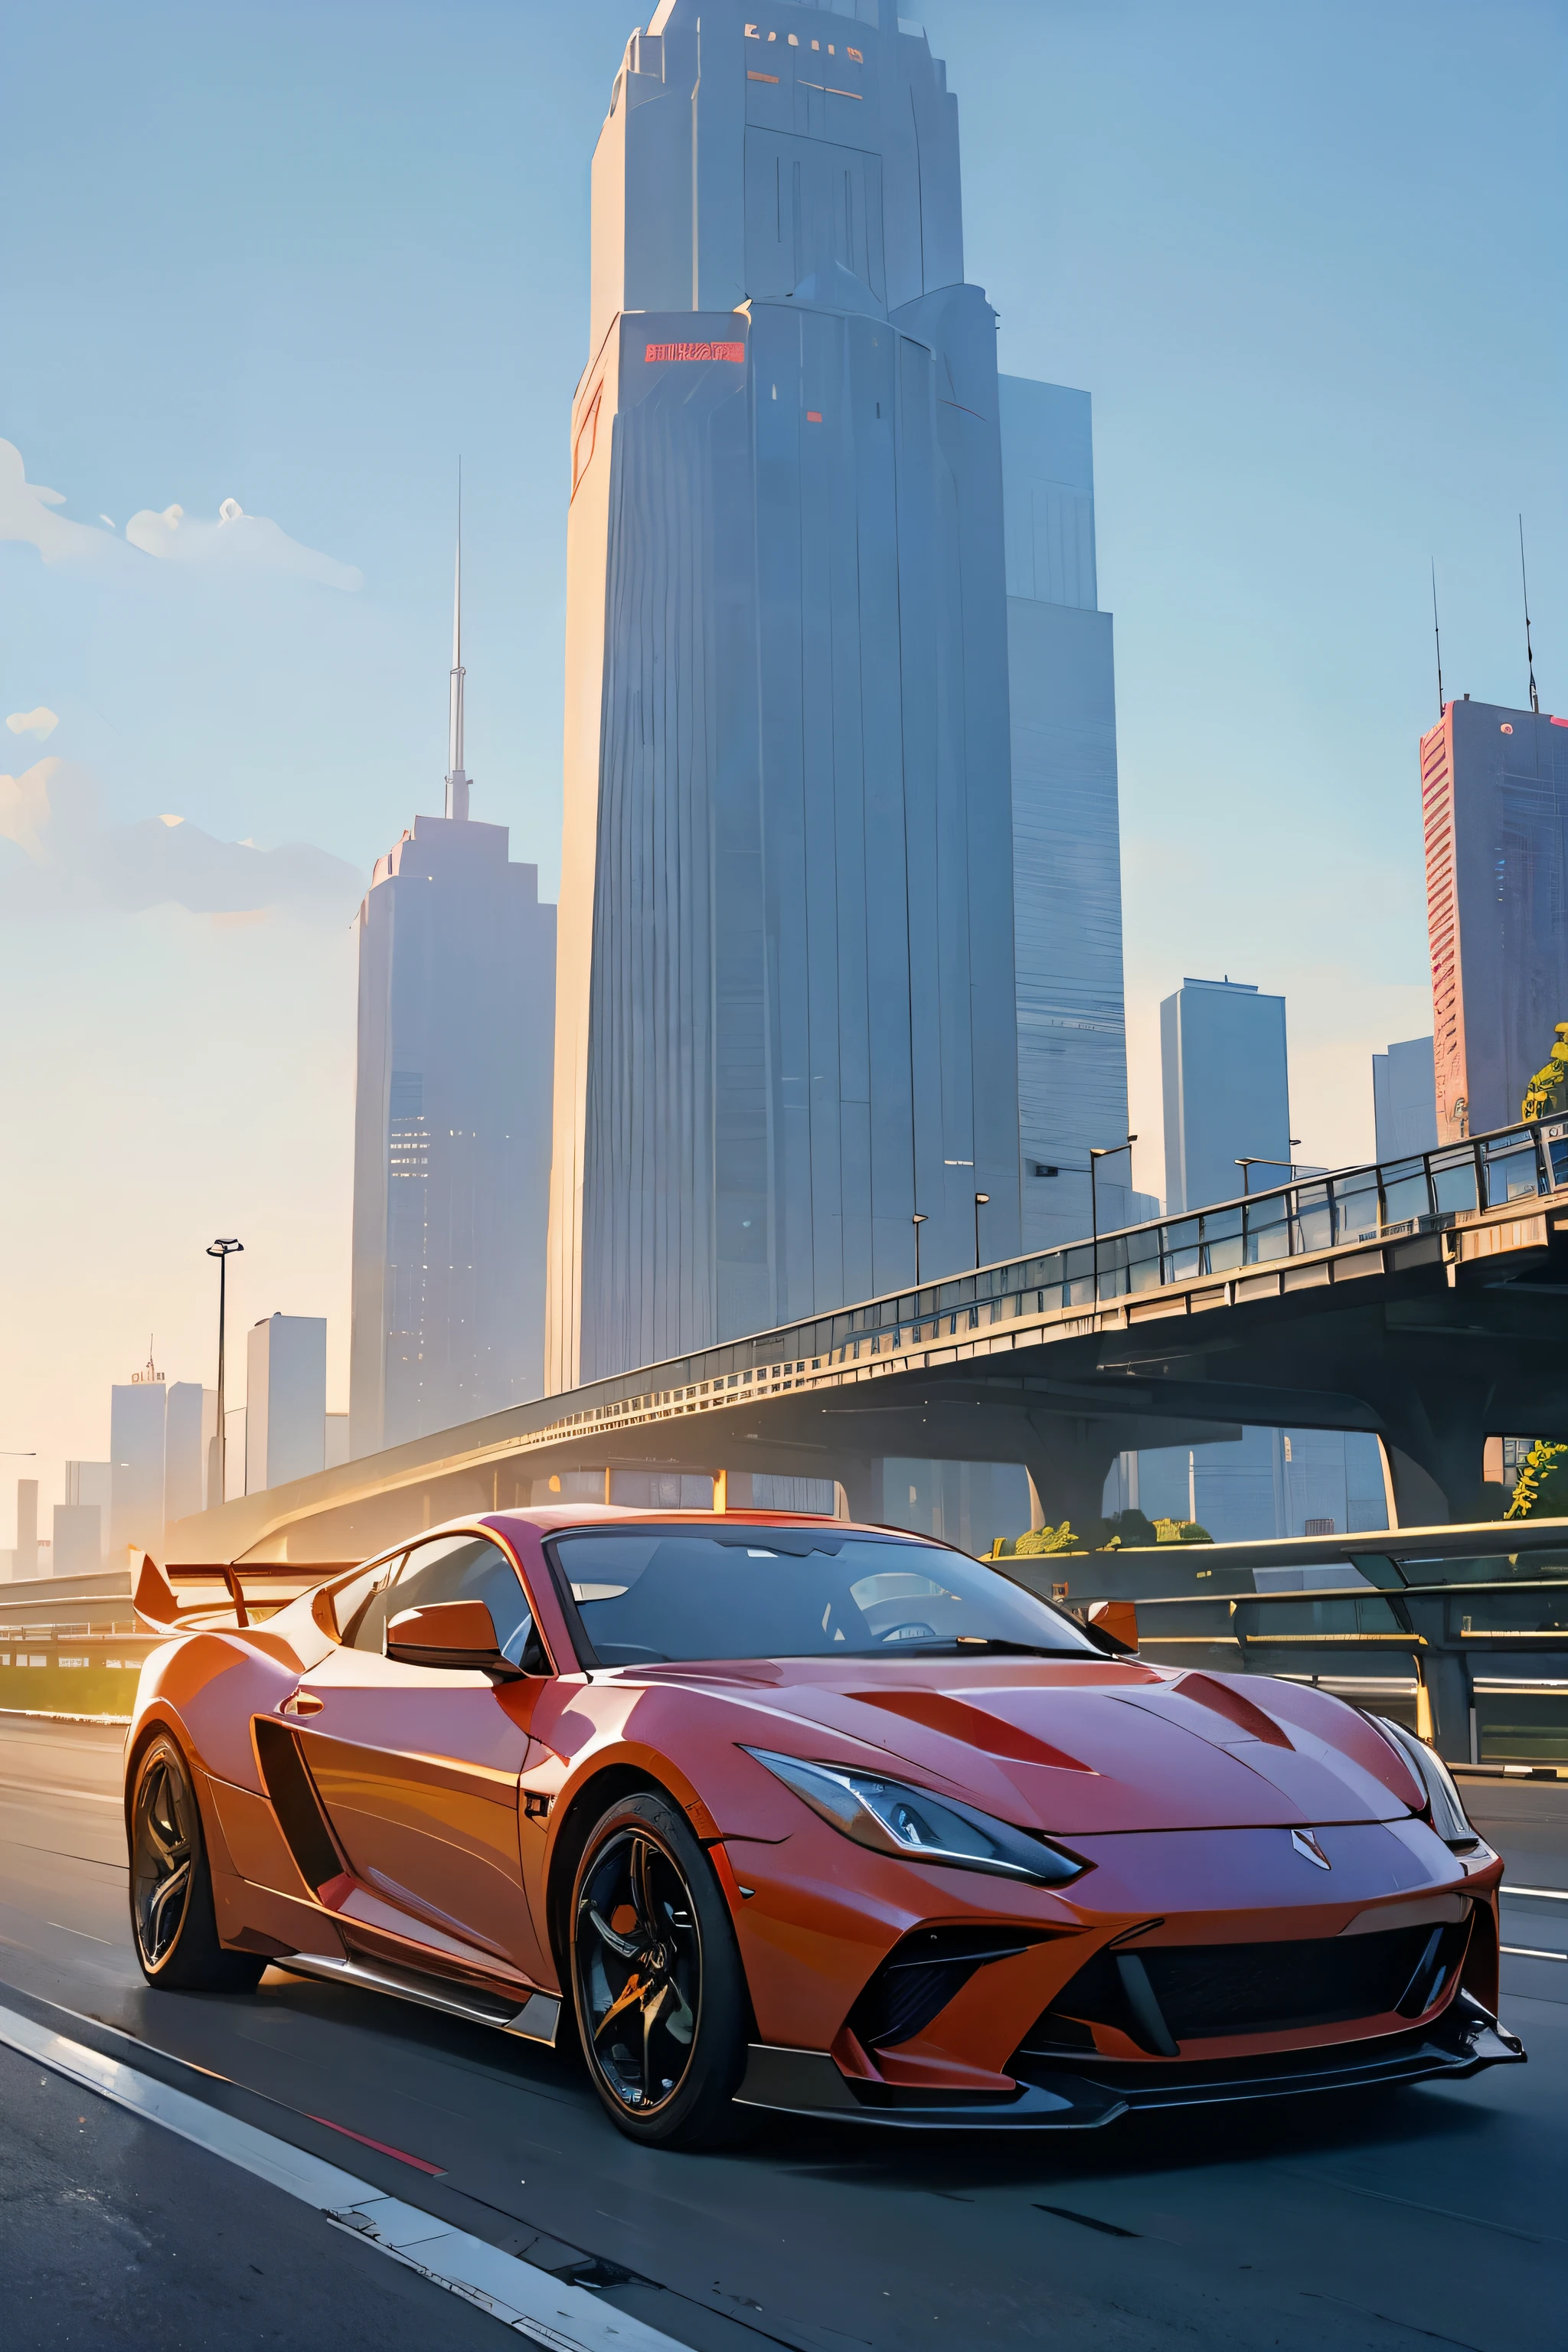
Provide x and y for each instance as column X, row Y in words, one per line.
column 1541, row 1490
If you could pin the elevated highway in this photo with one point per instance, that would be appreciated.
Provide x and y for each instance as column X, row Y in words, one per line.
column 1424, row 1300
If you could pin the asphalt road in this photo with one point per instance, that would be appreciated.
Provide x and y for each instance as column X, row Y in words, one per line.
column 1431, row 2215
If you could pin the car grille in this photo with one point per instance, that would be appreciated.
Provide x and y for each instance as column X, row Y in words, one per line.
column 1207, row 1992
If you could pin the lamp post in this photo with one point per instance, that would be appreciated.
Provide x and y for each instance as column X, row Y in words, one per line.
column 1257, row 1159
column 223, row 1250
column 1097, row 1153
column 917, row 1220
column 982, row 1200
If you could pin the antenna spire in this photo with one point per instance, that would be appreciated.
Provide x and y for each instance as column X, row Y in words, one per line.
column 1529, row 649
column 1436, row 637
column 457, row 782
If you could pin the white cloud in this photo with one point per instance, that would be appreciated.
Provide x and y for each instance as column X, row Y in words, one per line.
column 234, row 542
column 62, row 853
column 40, row 723
column 26, row 513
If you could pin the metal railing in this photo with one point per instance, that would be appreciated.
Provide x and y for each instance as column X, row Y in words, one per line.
column 1379, row 1201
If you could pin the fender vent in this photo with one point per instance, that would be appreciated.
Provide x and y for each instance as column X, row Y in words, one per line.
column 294, row 1800
column 922, row 1974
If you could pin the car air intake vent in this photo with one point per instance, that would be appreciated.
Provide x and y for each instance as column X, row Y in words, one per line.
column 922, row 1974
column 295, row 1803
column 1205, row 1992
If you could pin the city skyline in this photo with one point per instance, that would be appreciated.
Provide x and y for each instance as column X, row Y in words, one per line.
column 166, row 651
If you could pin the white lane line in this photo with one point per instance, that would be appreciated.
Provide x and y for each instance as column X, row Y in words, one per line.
column 83, row 1934
column 564, row 2318
column 1539, row 1894
column 1530, row 1952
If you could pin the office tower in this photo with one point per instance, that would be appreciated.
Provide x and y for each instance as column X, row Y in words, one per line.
column 26, row 1554
column 184, row 1448
column 1403, row 1107
column 77, row 1547
column 1494, row 801
column 1066, row 858
column 1227, row 1093
column 285, row 1400
column 136, row 1427
column 786, row 1023
column 457, row 1009
column 337, row 1446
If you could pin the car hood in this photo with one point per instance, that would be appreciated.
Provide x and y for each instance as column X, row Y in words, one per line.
column 1077, row 1748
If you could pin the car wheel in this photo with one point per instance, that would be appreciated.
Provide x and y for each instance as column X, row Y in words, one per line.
column 661, row 1994
column 171, row 1915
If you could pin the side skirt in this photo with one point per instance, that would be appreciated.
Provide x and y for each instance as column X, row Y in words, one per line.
column 539, row 2018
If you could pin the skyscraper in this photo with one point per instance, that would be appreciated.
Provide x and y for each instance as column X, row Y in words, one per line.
column 285, row 1400
column 137, row 1413
column 787, row 1022
column 1066, row 859
column 1404, row 1112
column 1494, row 801
column 1226, row 1091
column 456, row 997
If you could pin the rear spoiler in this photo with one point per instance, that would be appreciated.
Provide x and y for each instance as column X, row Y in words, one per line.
column 159, row 1609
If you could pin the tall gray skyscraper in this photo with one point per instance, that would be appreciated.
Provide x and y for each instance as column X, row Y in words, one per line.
column 1494, row 809
column 1226, row 1090
column 787, row 1022
column 1067, row 857
column 457, row 1001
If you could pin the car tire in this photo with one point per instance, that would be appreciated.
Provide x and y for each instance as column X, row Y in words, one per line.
column 663, row 2012
column 173, row 1924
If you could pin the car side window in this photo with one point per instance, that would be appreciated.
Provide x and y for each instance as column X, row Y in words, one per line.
column 465, row 1567
column 361, row 1607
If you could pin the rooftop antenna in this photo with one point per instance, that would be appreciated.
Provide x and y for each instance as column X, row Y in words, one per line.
column 1436, row 637
column 1529, row 649
column 457, row 782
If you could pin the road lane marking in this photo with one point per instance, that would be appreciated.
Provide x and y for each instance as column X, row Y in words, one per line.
column 1530, row 1952
column 381, row 2147
column 1539, row 1894
column 529, row 2301
column 104, row 1941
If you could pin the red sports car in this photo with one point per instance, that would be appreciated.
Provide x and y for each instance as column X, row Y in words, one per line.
column 791, row 1814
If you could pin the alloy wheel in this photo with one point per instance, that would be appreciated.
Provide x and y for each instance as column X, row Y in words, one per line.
column 162, row 1855
column 637, row 1953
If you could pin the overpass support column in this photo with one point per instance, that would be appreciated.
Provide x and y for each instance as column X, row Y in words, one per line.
column 1068, row 1466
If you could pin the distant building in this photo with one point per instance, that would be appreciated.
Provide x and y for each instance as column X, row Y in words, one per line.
column 137, row 1417
column 1494, row 805
column 26, row 1555
column 1226, row 1091
column 1067, row 857
column 79, row 1540
column 1404, row 1104
column 188, row 1424
column 1264, row 1483
column 337, row 1440
column 452, row 1110
column 285, row 1400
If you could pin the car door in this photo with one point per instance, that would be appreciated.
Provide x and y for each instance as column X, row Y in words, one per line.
column 417, row 1766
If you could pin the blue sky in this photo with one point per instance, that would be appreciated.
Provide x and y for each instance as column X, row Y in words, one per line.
column 1307, row 261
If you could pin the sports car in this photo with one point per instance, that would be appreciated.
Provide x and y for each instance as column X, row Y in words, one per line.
column 792, row 1814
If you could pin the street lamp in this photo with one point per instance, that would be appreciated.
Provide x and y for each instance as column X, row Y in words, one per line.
column 1098, row 1151
column 982, row 1200
column 917, row 1220
column 223, row 1250
column 1257, row 1159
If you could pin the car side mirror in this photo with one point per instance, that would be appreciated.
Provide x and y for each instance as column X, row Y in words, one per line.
column 448, row 1634
column 1112, row 1626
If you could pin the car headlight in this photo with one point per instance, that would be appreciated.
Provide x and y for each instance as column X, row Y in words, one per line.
column 892, row 1818
column 1449, row 1816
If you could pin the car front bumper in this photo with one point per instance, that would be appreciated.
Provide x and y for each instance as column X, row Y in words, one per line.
column 1066, row 2094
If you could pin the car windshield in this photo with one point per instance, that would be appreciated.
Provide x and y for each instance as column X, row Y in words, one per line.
column 653, row 1595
